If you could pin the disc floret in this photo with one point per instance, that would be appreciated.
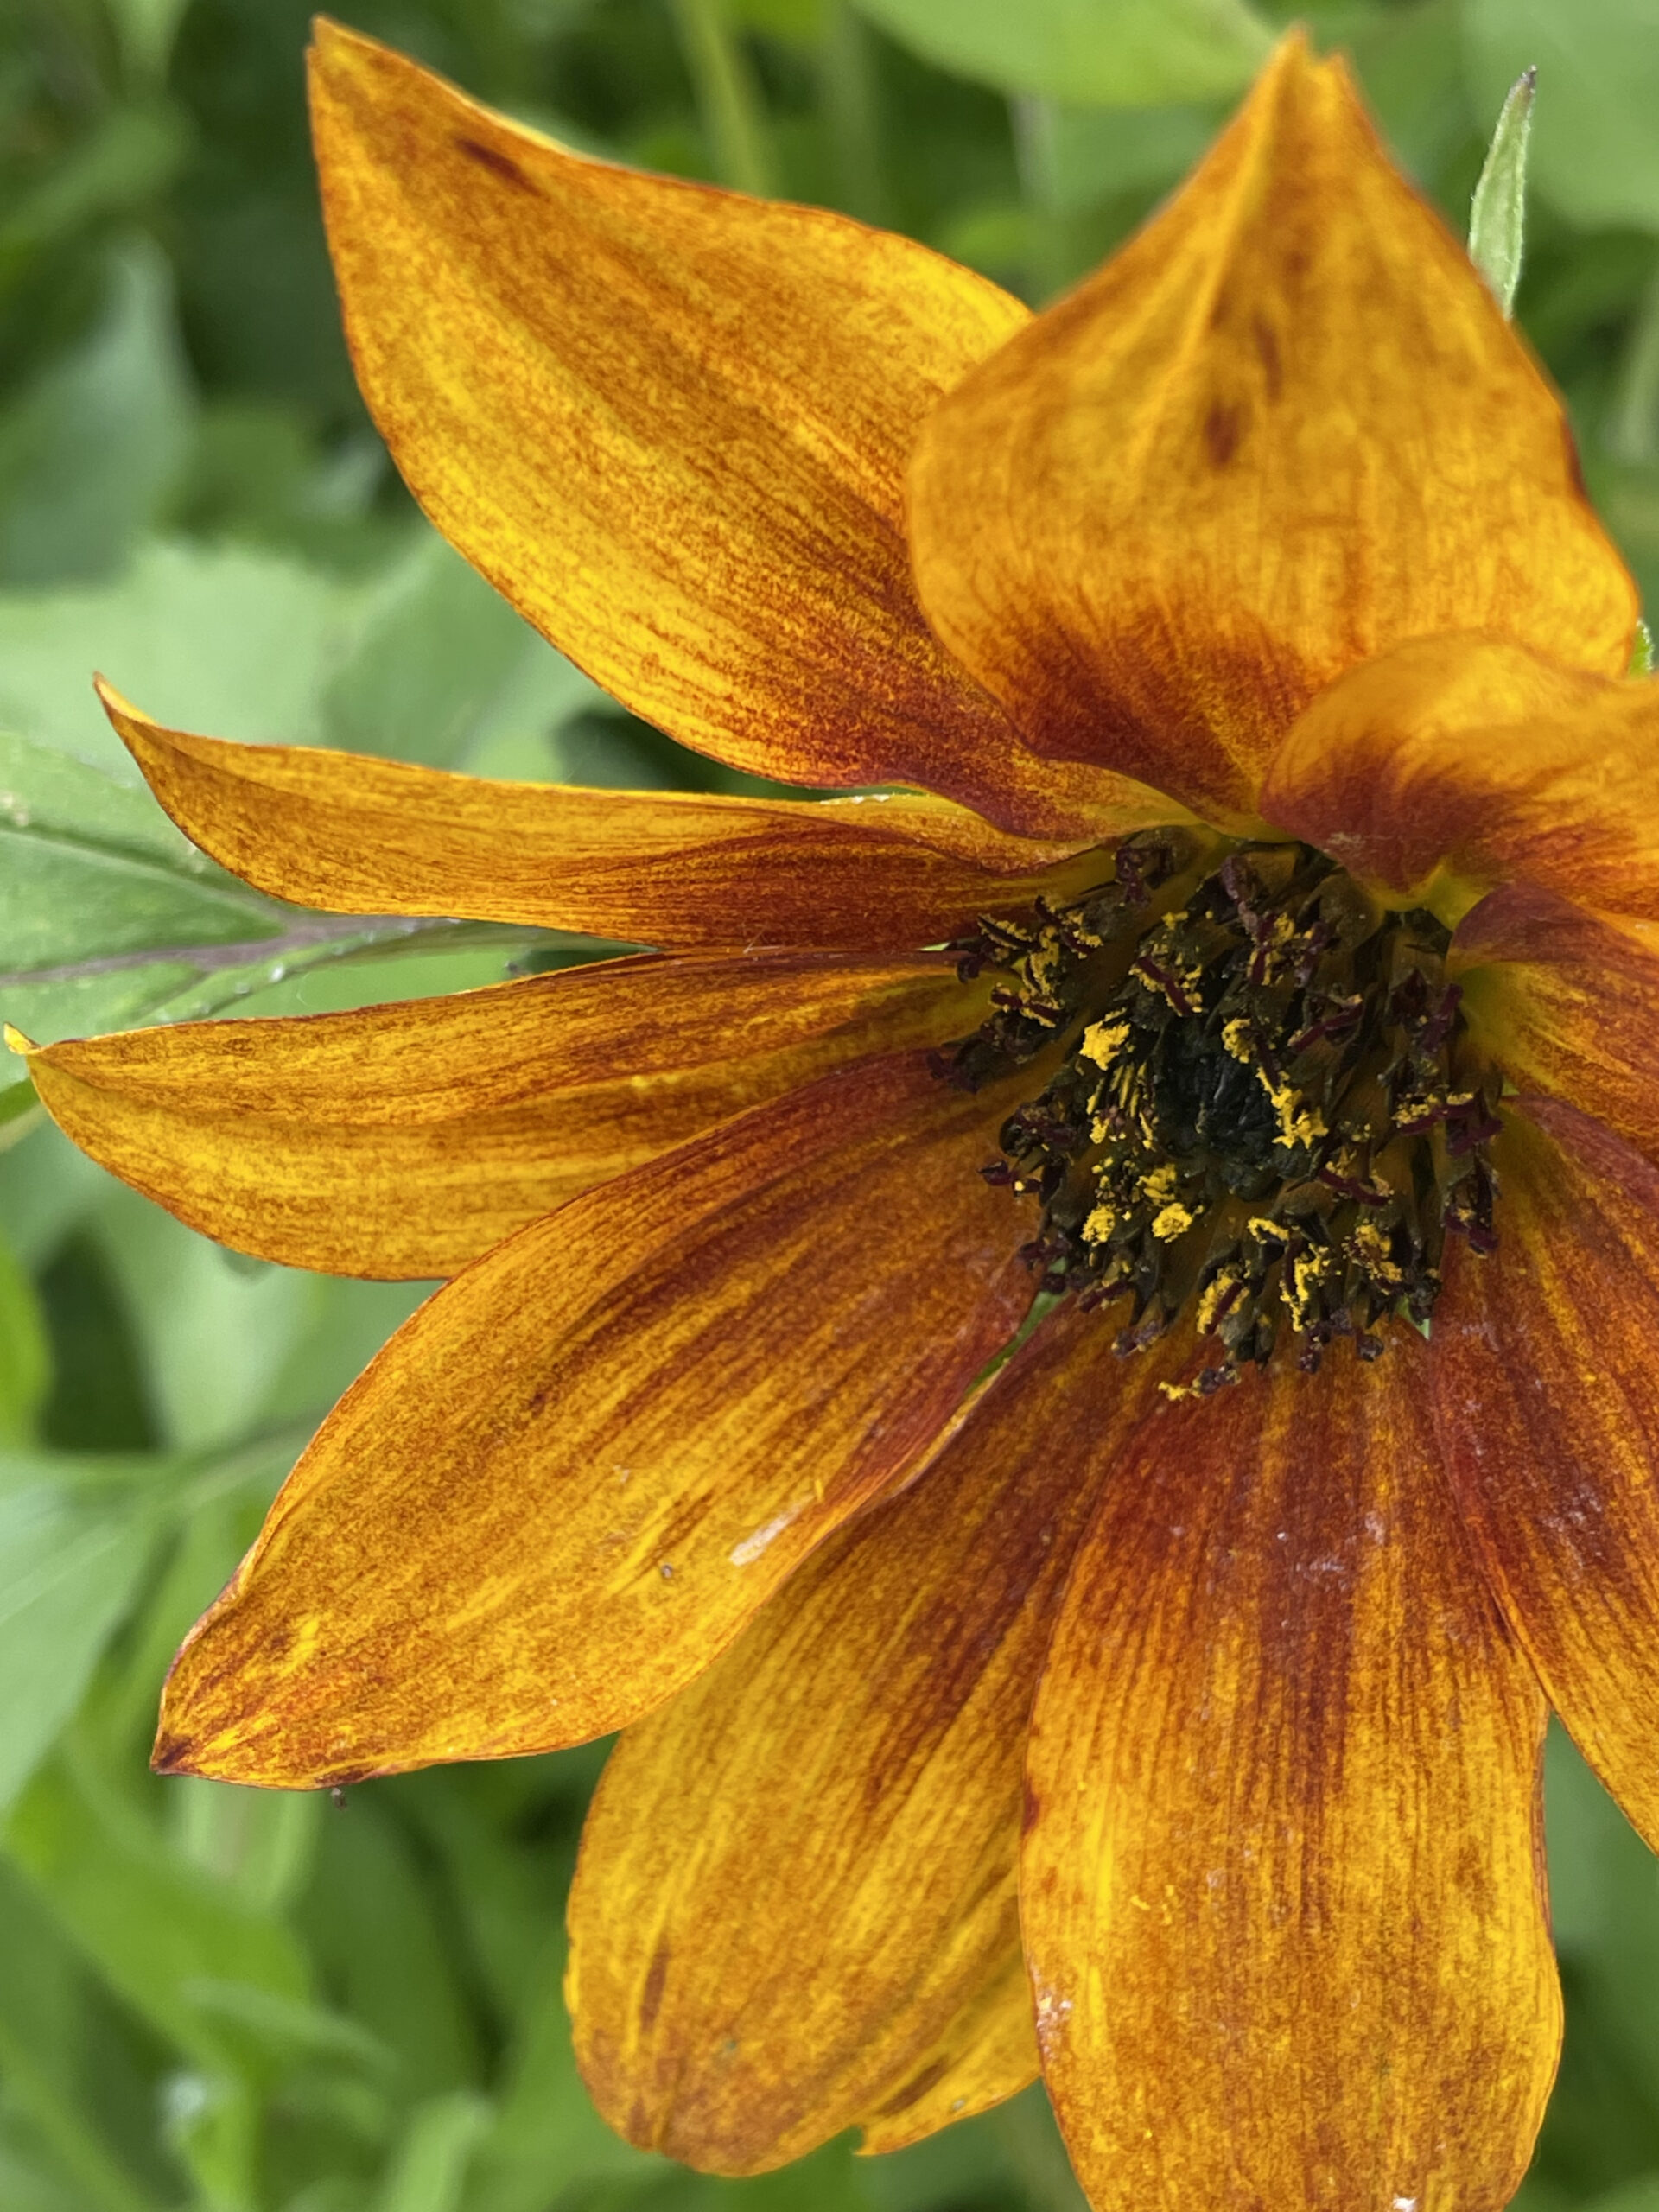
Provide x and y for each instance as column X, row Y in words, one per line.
column 1261, row 1105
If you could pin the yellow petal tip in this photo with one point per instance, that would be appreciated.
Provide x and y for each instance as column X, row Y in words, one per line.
column 16, row 1042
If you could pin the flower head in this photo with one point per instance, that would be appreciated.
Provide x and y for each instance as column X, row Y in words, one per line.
column 1256, row 956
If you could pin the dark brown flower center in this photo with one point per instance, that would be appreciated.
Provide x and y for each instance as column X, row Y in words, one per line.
column 1262, row 1105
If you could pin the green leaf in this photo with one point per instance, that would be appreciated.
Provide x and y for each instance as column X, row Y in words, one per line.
column 90, row 869
column 1595, row 152
column 261, row 1842
column 369, row 1918
column 110, row 918
column 123, row 158
column 1095, row 153
column 70, row 1561
column 1641, row 2195
column 215, row 1334
column 1497, row 213
column 89, row 456
column 152, row 1927
column 25, row 1363
column 429, row 2172
column 439, row 660
column 1089, row 53
column 1410, row 63
column 229, row 641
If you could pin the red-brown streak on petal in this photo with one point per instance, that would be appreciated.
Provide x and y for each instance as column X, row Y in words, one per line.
column 404, row 1141
column 688, row 870
column 795, row 1909
column 670, row 424
column 1284, row 429
column 1567, row 1003
column 1546, row 1393
column 575, row 1474
column 1282, row 1894
column 1461, row 762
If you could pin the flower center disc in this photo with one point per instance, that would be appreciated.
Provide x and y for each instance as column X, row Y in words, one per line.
column 1262, row 1105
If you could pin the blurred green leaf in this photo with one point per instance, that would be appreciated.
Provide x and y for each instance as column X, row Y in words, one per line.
column 71, row 1557
column 228, row 640
column 89, row 456
column 1595, row 152
column 1095, row 153
column 1639, row 2195
column 1091, row 53
column 1410, row 63
column 369, row 1917
column 261, row 1842
column 1497, row 216
column 440, row 662
column 155, row 1928
column 25, row 1362
column 127, row 155
column 429, row 2172
column 147, row 29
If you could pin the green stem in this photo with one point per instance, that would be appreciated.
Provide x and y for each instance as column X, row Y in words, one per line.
column 100, row 2181
column 728, row 99
column 851, row 103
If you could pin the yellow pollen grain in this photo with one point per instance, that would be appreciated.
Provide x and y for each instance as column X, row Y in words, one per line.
column 1370, row 1245
column 1262, row 1225
column 1172, row 1223
column 1210, row 1302
column 1102, row 1041
column 1299, row 1122
column 1160, row 1183
column 1236, row 1037
column 1307, row 1271
column 1100, row 1223
column 1042, row 963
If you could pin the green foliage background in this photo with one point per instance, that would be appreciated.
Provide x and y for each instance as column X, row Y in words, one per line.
column 219, row 1998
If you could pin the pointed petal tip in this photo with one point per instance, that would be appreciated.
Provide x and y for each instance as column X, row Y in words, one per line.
column 333, row 40
column 173, row 1753
column 16, row 1041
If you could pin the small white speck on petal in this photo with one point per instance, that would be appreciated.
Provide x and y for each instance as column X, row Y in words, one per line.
column 749, row 1550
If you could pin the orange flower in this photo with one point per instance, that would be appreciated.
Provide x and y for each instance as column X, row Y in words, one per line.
column 1288, row 825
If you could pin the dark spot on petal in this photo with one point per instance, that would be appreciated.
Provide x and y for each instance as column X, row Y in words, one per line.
column 1267, row 346
column 1224, row 426
column 651, row 1997
column 914, row 2090
column 176, row 1756
column 499, row 164
column 1032, row 1811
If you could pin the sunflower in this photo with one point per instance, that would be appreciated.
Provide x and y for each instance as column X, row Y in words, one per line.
column 1072, row 1354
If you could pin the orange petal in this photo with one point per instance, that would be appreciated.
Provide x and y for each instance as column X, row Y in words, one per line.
column 364, row 835
column 1282, row 1890
column 1547, row 1371
column 1461, row 762
column 1284, row 429
column 405, row 1139
column 670, row 424
column 1568, row 1004
column 795, row 1909
column 987, row 2055
column 571, row 1478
